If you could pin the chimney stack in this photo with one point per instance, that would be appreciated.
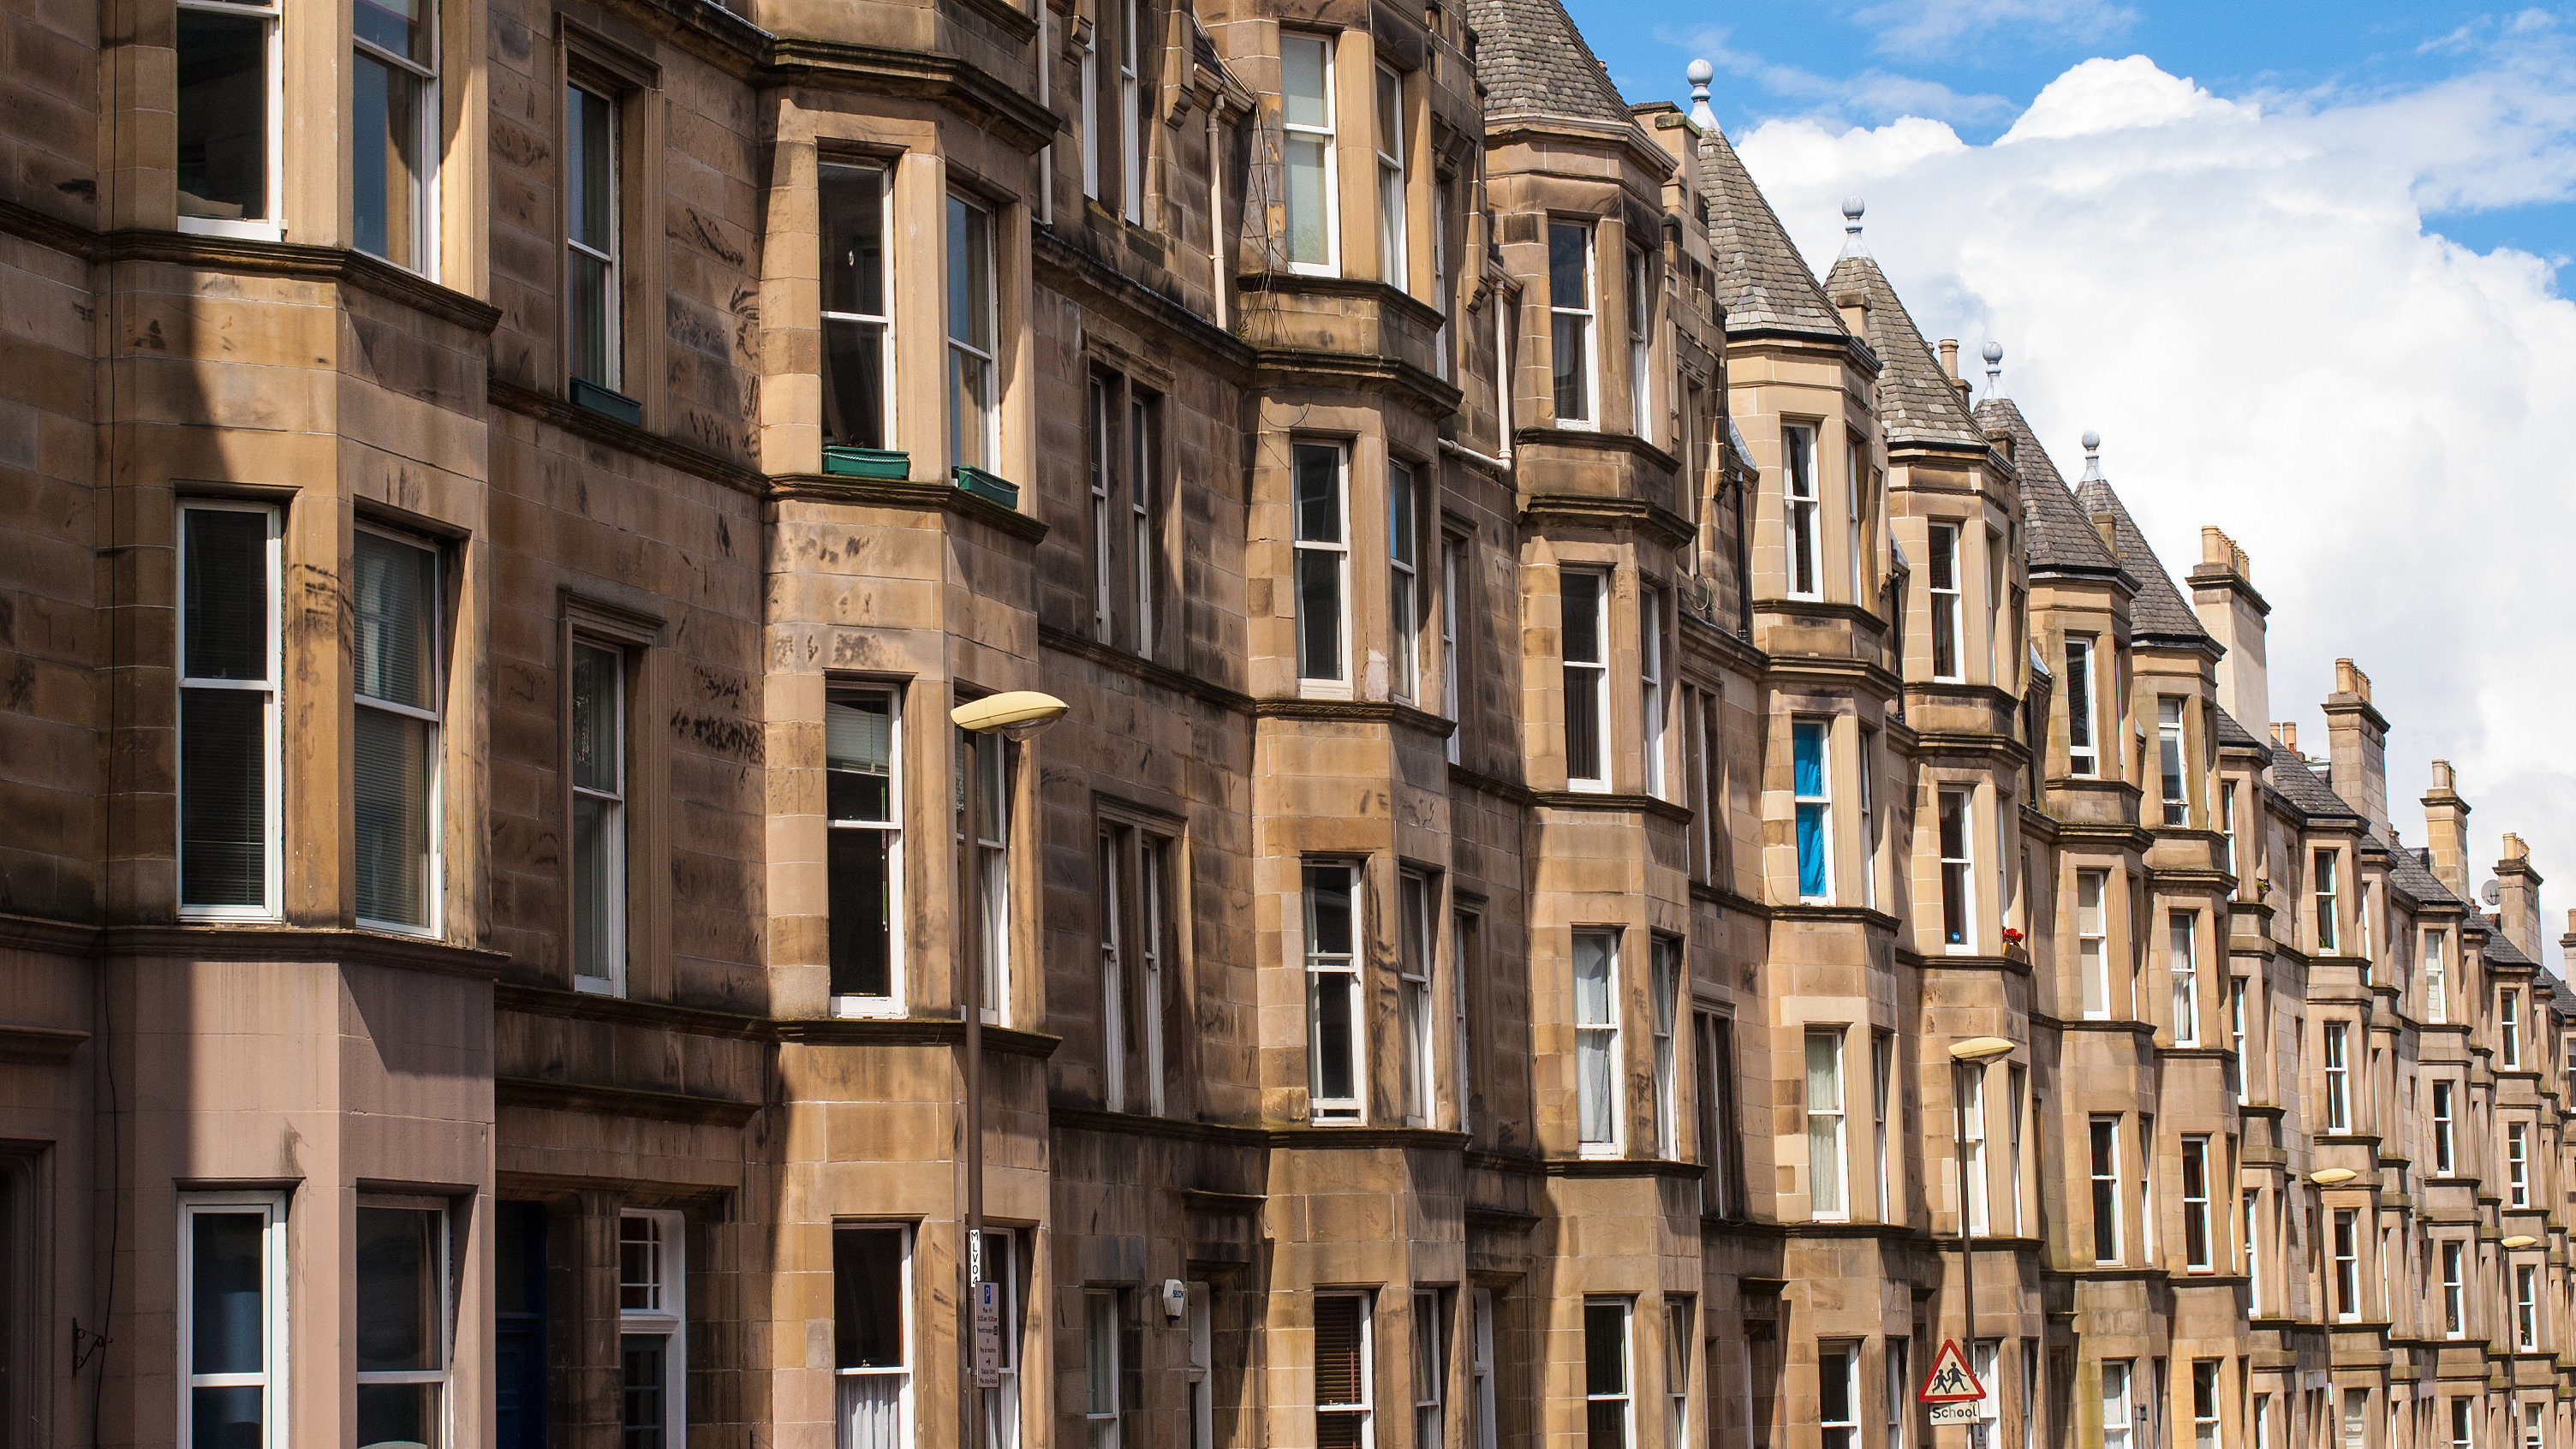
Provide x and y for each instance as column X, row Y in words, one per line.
column 1950, row 357
column 2357, row 743
column 2446, row 830
column 2519, row 906
column 2567, row 943
column 2222, row 594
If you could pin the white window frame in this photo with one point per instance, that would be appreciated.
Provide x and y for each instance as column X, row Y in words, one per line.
column 667, row 1318
column 2117, row 1430
column 2237, row 987
column 2182, row 959
column 1958, row 866
column 1838, row 1361
column 1199, row 1376
column 1131, row 117
column 1825, row 1125
column 2324, row 865
column 991, row 861
column 1599, row 1101
column 2517, row 1164
column 1583, row 317
column 1154, row 855
column 2204, row 1403
column 1112, row 862
column 1403, row 581
column 2526, row 1306
column 440, row 1276
column 2173, row 762
column 1822, row 801
column 1650, row 686
column 1331, row 265
column 1899, row 1389
column 270, row 227
column 275, row 1402
column 965, row 352
column 2436, row 1003
column 2509, row 1030
column 1363, row 1409
column 1001, row 1404
column 1430, row 1369
column 1144, row 543
column 2338, row 1076
column 1668, row 990
column 1591, row 691
column 1972, row 1144
column 272, row 869
column 1985, row 1362
column 2253, row 1200
column 1337, row 548
column 434, row 887
column 2345, row 1244
column 1948, row 602
column 1678, row 1317
column 1626, row 1395
column 1417, row 913
column 903, row 1373
column 1869, row 829
column 2093, row 942
column 1388, row 115
column 1104, row 484
column 1641, row 346
column 2455, row 1289
column 2083, row 757
column 1480, row 1370
column 2444, row 1128
column 1088, row 71
column 2105, row 1178
column 1800, row 518
column 892, row 828
column 425, row 209
column 882, row 321
column 2200, row 1257
column 1334, row 971
column 612, row 259
column 1103, row 1428
column 1450, row 549
column 613, row 831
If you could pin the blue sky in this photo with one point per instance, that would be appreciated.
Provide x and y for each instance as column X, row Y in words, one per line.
column 1976, row 64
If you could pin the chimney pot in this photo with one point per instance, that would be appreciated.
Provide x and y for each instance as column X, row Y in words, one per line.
column 2285, row 733
column 1950, row 357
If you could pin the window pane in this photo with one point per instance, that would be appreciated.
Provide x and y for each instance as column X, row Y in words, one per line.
column 223, row 809
column 858, row 750
column 223, row 101
column 589, row 159
column 1328, row 910
column 593, row 890
column 392, row 813
column 1337, row 1349
column 227, row 595
column 1301, row 67
column 588, row 357
column 1573, row 392
column 867, row 1297
column 595, row 751
column 1568, row 256
column 1319, row 493
column 853, row 384
column 1333, row 1036
column 397, row 1416
column 862, row 907
column 970, row 282
column 227, row 1313
column 399, row 1291
column 226, row 1417
column 1582, row 610
column 1319, row 615
column 393, row 25
column 852, row 200
column 396, row 593
column 384, row 157
column 1309, row 244
column 643, row 1393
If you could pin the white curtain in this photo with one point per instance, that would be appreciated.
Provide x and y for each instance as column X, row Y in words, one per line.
column 871, row 1411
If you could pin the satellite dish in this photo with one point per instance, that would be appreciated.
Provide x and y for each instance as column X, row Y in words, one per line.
column 2491, row 893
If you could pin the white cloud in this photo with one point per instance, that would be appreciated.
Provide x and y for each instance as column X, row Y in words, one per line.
column 1944, row 25
column 1871, row 94
column 2244, row 295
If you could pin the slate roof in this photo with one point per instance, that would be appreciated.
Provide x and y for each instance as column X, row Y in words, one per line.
column 2501, row 951
column 2234, row 736
column 2056, row 532
column 2295, row 782
column 1917, row 400
column 1761, row 278
column 1532, row 60
column 2159, row 610
column 2406, row 871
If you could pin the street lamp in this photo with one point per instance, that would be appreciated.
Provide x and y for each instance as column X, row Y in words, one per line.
column 1019, row 715
column 1972, row 1054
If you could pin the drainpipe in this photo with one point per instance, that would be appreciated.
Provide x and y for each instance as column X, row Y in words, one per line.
column 1457, row 449
column 1216, row 207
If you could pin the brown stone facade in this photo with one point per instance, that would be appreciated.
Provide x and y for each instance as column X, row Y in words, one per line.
column 1569, row 720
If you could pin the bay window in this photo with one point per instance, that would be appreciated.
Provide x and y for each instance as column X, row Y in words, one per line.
column 1403, row 585
column 858, row 322
column 2517, row 1164
column 1826, row 1198
column 2347, row 1265
column 394, row 130
column 1650, row 687
column 1104, row 1369
column 2195, row 1205
column 1838, row 1395
column 1390, row 178
column 1571, row 340
column 1608, row 1406
column 2092, row 946
column 1668, row 988
column 2105, row 1134
column 1799, row 509
column 2338, row 1070
column 1332, row 992
column 974, row 404
column 395, row 603
column 2436, row 1005
column 2182, row 958
column 2526, row 1306
column 2169, row 761
column 1641, row 375
column 1429, row 1367
column 2081, row 756
column 1955, row 871
column 2455, row 1290
column 1972, row 1145
column 1809, row 791
column 1416, row 901
column 2117, row 1430
column 1306, row 123
column 2322, row 867
column 1345, row 1382
column 984, row 799
column 593, row 251
column 2509, row 1030
column 1947, row 603
column 229, row 670
column 2442, row 1130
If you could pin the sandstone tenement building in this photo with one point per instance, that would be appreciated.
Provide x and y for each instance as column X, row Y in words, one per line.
column 1571, row 720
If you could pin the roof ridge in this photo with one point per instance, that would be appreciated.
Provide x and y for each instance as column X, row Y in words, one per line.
column 1763, row 281
column 1918, row 399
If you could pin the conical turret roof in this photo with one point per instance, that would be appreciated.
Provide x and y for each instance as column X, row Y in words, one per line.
column 1761, row 279
column 1917, row 400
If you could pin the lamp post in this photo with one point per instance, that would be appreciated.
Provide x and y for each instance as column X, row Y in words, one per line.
column 1972, row 1055
column 1020, row 715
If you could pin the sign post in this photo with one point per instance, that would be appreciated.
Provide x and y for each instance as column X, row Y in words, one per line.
column 1951, row 1388
column 988, row 1334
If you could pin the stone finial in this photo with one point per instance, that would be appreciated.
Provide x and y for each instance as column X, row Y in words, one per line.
column 2092, row 458
column 1700, row 73
column 1853, row 246
column 1994, row 355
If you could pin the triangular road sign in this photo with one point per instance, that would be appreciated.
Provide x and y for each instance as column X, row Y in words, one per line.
column 1950, row 1382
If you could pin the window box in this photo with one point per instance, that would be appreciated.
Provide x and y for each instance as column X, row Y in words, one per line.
column 867, row 463
column 607, row 401
column 986, row 486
